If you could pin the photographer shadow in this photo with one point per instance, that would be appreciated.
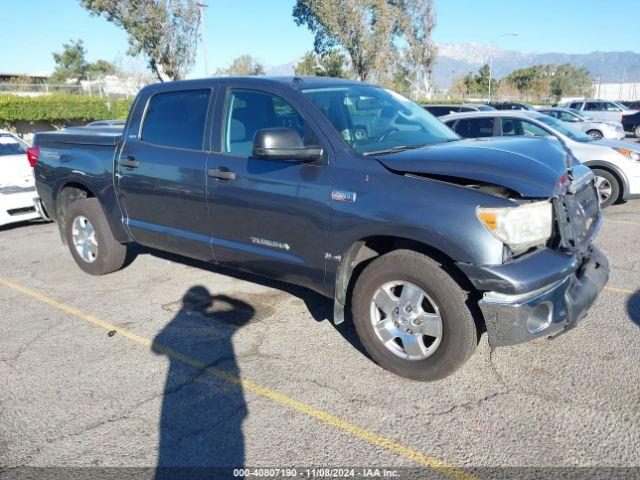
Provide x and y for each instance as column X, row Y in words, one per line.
column 633, row 308
column 202, row 413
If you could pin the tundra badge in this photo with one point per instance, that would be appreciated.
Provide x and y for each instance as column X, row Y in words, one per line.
column 343, row 196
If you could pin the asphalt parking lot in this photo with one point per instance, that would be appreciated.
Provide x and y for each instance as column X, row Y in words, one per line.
column 172, row 362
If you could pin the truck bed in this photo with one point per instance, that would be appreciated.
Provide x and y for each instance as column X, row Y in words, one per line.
column 106, row 136
column 80, row 156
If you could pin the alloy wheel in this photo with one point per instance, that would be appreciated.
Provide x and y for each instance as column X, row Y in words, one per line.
column 84, row 239
column 604, row 188
column 406, row 320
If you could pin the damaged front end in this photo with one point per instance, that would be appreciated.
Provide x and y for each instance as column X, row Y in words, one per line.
column 547, row 292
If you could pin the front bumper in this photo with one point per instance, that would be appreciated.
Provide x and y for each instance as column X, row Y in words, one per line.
column 614, row 133
column 547, row 311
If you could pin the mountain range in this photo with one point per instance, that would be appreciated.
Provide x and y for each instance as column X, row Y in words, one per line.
column 455, row 60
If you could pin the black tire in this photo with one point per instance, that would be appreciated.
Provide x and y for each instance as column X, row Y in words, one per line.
column 459, row 332
column 636, row 131
column 595, row 134
column 111, row 255
column 615, row 187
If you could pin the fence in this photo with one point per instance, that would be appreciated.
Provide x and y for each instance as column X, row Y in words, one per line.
column 105, row 88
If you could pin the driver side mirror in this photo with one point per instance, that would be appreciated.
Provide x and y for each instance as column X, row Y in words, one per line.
column 283, row 144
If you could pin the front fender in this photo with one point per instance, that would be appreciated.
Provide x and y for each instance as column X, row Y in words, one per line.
column 436, row 215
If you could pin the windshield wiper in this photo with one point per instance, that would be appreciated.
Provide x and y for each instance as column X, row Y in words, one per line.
column 401, row 148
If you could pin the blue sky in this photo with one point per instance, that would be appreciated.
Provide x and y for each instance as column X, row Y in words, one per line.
column 32, row 29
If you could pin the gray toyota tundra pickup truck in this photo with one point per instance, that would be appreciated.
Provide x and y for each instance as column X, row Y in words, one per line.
column 423, row 239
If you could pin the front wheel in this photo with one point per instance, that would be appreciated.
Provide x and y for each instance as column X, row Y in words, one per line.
column 607, row 186
column 90, row 240
column 412, row 316
column 636, row 131
column 595, row 134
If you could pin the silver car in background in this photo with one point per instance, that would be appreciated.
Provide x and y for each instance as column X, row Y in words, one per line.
column 596, row 129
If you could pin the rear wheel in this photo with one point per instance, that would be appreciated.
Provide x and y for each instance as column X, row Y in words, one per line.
column 636, row 131
column 607, row 186
column 595, row 134
column 90, row 240
column 412, row 316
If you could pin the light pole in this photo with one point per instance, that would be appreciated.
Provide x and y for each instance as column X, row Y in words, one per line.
column 204, row 38
column 624, row 75
column 513, row 34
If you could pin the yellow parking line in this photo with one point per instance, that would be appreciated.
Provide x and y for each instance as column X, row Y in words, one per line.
column 620, row 290
column 625, row 222
column 248, row 385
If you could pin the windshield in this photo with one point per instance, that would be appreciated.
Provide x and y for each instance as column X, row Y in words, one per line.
column 372, row 119
column 10, row 145
column 566, row 130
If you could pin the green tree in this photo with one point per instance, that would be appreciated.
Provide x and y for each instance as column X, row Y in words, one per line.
column 482, row 80
column 402, row 79
column 365, row 29
column 532, row 82
column 242, row 66
column 71, row 63
column 307, row 66
column 166, row 31
column 417, row 20
column 330, row 64
column 470, row 83
column 100, row 68
column 569, row 81
column 333, row 64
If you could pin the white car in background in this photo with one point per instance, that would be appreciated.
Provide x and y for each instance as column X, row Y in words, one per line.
column 596, row 129
column 17, row 185
column 600, row 109
column 615, row 163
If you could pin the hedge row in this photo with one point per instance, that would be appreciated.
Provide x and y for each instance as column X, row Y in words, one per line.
column 60, row 108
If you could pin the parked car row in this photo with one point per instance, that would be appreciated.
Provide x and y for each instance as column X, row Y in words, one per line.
column 598, row 118
column 616, row 164
column 600, row 109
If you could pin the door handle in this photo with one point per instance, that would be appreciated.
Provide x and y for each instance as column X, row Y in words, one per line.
column 221, row 173
column 129, row 162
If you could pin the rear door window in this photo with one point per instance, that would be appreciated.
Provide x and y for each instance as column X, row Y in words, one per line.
column 176, row 119
column 593, row 106
column 475, row 127
column 514, row 127
column 566, row 117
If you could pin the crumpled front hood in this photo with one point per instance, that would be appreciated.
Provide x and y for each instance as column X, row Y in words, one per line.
column 530, row 166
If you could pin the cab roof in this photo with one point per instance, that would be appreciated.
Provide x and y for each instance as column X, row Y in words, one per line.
column 297, row 82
